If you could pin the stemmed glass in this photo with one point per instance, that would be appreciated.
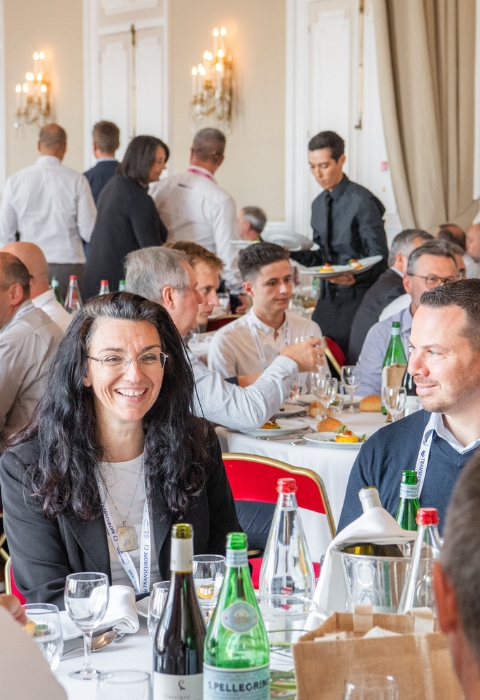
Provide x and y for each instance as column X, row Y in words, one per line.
column 394, row 398
column 86, row 601
column 208, row 573
column 351, row 378
column 371, row 687
column 124, row 685
column 46, row 630
column 156, row 604
column 324, row 388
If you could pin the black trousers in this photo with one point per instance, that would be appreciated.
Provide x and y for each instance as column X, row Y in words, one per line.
column 335, row 310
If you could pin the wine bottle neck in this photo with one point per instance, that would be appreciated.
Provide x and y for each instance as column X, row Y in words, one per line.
column 181, row 557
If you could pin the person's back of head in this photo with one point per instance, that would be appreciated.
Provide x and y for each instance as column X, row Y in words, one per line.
column 14, row 286
column 208, row 147
column 140, row 157
column 149, row 270
column 405, row 242
column 254, row 257
column 34, row 260
column 453, row 234
column 196, row 254
column 106, row 138
column 256, row 217
column 52, row 141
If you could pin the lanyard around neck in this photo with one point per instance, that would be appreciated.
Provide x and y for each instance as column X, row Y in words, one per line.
column 254, row 332
column 192, row 169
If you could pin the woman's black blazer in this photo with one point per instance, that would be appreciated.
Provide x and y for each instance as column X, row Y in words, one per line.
column 45, row 551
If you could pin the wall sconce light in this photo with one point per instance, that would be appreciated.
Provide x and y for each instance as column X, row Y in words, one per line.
column 212, row 86
column 32, row 99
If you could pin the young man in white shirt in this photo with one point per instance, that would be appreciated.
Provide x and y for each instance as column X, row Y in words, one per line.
column 251, row 343
column 194, row 208
column 52, row 206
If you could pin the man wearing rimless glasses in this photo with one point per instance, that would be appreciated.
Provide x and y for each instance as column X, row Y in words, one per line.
column 429, row 266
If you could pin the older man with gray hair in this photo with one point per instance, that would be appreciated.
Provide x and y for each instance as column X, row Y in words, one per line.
column 164, row 275
column 251, row 222
column 194, row 208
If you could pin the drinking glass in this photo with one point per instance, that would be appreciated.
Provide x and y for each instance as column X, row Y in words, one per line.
column 371, row 687
column 208, row 573
column 124, row 685
column 324, row 388
column 45, row 629
column 337, row 404
column 351, row 378
column 86, row 601
column 224, row 301
column 156, row 604
column 394, row 398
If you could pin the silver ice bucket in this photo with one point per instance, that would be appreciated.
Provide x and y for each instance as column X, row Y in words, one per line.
column 375, row 574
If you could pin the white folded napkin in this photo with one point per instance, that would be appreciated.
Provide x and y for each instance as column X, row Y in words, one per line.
column 121, row 614
column 376, row 526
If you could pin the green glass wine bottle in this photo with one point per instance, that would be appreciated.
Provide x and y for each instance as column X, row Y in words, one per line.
column 409, row 503
column 237, row 653
column 55, row 285
column 395, row 355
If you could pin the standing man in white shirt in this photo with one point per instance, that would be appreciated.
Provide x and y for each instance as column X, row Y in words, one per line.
column 42, row 296
column 52, row 206
column 194, row 208
column 251, row 343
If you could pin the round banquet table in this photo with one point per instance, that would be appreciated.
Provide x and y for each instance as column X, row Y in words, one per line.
column 333, row 463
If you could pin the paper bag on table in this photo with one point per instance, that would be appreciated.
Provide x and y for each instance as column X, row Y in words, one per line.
column 416, row 656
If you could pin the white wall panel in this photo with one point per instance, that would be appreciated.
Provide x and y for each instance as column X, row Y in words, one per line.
column 115, row 85
column 149, row 72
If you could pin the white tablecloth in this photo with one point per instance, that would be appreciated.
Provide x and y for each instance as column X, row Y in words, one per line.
column 333, row 463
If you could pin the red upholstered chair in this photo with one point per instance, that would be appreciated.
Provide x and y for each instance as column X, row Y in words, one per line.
column 254, row 478
column 3, row 538
column 335, row 355
column 10, row 586
column 213, row 324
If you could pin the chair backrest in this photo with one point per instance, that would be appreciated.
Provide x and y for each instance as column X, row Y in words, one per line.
column 10, row 586
column 335, row 354
column 254, row 478
column 213, row 324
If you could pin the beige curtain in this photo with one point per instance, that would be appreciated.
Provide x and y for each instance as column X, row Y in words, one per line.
column 426, row 68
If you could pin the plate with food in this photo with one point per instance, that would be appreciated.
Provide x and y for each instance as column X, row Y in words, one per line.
column 277, row 427
column 353, row 266
column 333, row 433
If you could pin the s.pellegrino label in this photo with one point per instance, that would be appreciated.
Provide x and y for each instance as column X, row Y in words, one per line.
column 236, row 684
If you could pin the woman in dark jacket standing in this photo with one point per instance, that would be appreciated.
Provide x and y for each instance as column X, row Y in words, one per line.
column 127, row 218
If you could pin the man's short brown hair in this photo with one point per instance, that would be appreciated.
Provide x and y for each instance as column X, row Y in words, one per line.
column 107, row 136
column 466, row 295
column 197, row 253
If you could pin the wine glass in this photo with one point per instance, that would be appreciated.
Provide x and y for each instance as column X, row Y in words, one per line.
column 224, row 301
column 124, row 685
column 394, row 398
column 351, row 378
column 86, row 601
column 208, row 573
column 45, row 629
column 156, row 604
column 324, row 388
column 370, row 687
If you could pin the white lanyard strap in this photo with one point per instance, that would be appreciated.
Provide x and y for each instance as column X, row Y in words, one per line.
column 142, row 585
column 424, row 452
column 254, row 332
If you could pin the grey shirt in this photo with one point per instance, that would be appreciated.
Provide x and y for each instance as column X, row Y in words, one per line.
column 27, row 344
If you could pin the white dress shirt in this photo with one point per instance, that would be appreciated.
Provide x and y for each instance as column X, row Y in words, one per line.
column 242, row 409
column 49, row 304
column 194, row 208
column 50, row 205
column 399, row 304
column 233, row 350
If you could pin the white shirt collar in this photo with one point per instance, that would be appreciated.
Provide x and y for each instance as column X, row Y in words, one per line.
column 106, row 158
column 48, row 160
column 43, row 298
column 437, row 424
column 263, row 326
column 397, row 271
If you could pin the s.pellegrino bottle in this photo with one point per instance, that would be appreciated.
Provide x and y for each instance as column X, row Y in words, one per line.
column 180, row 636
column 287, row 566
column 395, row 355
column 121, row 286
column 237, row 652
column 73, row 302
column 418, row 591
column 409, row 503
column 104, row 287
column 412, row 401
column 55, row 285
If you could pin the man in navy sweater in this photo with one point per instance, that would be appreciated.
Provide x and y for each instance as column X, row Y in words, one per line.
column 440, row 440
column 106, row 140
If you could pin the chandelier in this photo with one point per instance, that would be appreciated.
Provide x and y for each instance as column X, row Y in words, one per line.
column 32, row 99
column 212, row 86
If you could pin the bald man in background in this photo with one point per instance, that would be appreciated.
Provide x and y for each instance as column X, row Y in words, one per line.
column 40, row 293
column 52, row 206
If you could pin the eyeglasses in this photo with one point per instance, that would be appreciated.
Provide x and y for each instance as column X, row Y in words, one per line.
column 119, row 362
column 431, row 281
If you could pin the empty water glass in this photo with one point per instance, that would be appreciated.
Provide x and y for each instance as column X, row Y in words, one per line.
column 394, row 398
column 351, row 378
column 370, row 687
column 124, row 685
column 45, row 629
column 156, row 604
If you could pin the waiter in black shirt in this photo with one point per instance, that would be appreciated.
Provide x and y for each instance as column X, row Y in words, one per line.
column 347, row 222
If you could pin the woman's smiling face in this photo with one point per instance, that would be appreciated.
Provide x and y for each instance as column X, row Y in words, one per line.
column 124, row 394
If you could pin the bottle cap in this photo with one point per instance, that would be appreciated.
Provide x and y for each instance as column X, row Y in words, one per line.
column 103, row 282
column 427, row 516
column 395, row 324
column 286, row 486
column 73, row 277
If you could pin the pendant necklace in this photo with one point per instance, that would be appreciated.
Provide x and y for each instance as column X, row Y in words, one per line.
column 127, row 535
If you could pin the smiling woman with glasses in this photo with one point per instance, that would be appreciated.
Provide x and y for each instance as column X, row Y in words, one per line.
column 112, row 457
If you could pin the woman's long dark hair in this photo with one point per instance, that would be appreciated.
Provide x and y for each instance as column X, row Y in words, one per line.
column 140, row 156
column 65, row 476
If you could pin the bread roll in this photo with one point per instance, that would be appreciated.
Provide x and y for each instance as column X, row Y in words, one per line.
column 371, row 404
column 316, row 410
column 329, row 425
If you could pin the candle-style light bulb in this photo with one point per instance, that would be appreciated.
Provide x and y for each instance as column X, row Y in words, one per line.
column 39, row 77
column 41, row 55
column 223, row 31
column 43, row 88
column 25, row 87
column 201, row 69
column 221, row 53
column 18, row 88
column 35, row 56
column 194, row 81
column 215, row 41
column 29, row 76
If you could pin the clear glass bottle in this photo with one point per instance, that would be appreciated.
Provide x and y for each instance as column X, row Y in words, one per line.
column 180, row 636
column 369, row 498
column 73, row 302
column 104, row 287
column 409, row 503
column 55, row 285
column 418, row 590
column 287, row 566
column 237, row 651
column 395, row 355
